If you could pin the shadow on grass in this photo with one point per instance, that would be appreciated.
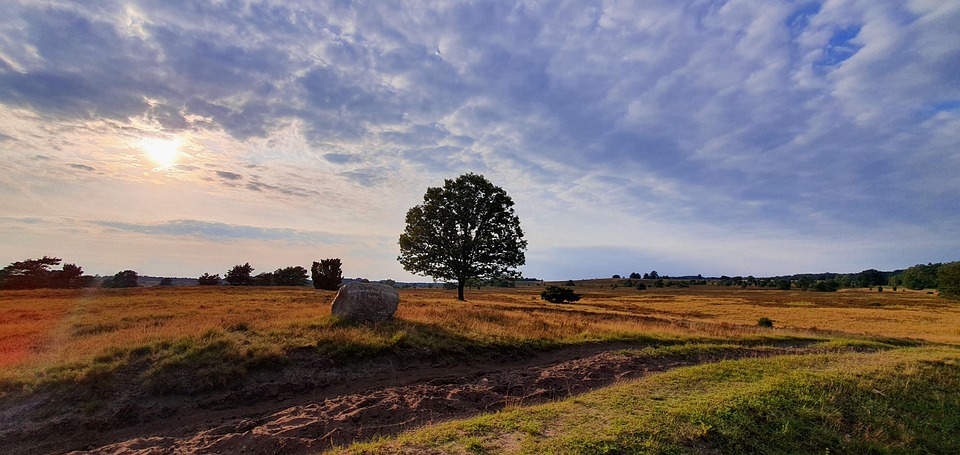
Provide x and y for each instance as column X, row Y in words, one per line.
column 221, row 359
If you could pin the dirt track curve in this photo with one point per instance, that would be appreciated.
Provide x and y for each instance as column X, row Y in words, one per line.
column 389, row 398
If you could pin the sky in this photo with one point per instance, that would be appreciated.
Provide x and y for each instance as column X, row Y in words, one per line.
column 755, row 137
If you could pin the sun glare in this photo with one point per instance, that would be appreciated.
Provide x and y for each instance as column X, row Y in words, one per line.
column 163, row 152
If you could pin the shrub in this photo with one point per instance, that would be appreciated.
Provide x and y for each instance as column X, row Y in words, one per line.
column 765, row 322
column 124, row 279
column 557, row 294
column 641, row 286
column 209, row 280
column 826, row 286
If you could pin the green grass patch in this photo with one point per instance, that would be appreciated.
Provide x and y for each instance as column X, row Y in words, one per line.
column 894, row 401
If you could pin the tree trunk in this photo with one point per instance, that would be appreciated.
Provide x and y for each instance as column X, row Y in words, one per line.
column 460, row 285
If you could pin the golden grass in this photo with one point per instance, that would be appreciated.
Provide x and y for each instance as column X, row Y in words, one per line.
column 43, row 328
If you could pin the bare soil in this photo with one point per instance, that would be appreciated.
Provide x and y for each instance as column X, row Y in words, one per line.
column 314, row 405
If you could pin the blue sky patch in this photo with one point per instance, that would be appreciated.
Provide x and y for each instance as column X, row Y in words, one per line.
column 841, row 47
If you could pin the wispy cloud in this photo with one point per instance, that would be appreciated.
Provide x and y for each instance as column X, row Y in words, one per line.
column 214, row 230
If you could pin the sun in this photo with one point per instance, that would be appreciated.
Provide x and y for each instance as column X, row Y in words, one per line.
column 164, row 152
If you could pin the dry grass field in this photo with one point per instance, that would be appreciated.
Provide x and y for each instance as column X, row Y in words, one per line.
column 101, row 344
column 45, row 328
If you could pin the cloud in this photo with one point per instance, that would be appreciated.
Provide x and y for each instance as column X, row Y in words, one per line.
column 223, row 231
column 781, row 119
column 339, row 158
column 82, row 167
column 229, row 175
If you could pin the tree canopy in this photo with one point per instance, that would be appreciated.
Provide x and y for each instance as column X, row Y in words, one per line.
column 240, row 275
column 326, row 274
column 123, row 279
column 465, row 230
column 36, row 274
column 948, row 277
column 921, row 276
column 290, row 276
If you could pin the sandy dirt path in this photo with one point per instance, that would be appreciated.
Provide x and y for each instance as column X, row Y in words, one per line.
column 389, row 397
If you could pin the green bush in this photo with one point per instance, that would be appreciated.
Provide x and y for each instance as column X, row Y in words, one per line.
column 765, row 322
column 557, row 294
column 826, row 286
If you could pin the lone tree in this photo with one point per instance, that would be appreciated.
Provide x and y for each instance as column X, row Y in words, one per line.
column 466, row 230
column 326, row 274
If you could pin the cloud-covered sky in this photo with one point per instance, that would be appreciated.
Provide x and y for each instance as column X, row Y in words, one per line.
column 731, row 137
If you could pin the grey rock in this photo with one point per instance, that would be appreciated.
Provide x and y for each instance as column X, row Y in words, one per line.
column 366, row 302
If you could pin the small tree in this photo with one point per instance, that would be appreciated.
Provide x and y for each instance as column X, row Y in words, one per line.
column 240, row 275
column 783, row 285
column 641, row 287
column 465, row 230
column 557, row 294
column 124, row 279
column 290, row 276
column 209, row 280
column 326, row 274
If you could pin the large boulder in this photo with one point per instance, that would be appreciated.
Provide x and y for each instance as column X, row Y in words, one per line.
column 366, row 302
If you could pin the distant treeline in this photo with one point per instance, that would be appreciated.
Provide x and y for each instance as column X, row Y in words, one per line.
column 945, row 277
column 327, row 274
column 40, row 274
